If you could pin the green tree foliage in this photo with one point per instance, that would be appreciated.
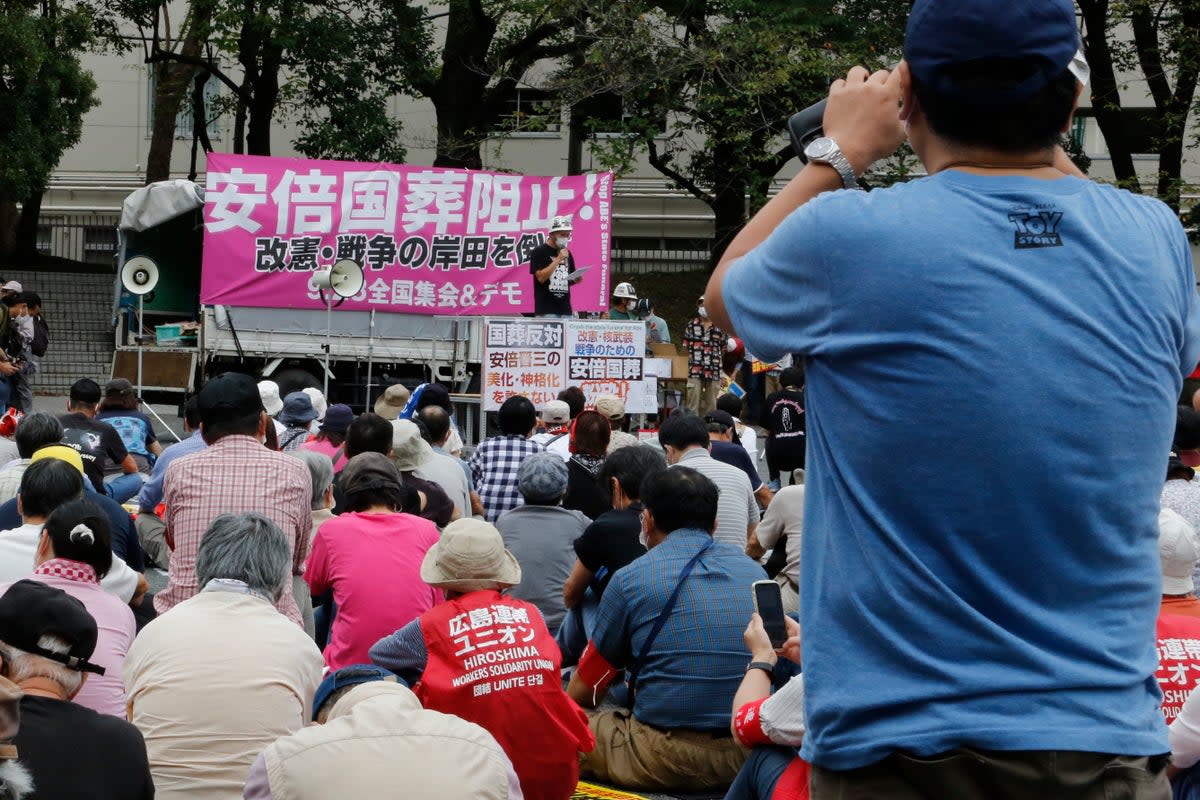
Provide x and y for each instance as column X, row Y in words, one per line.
column 331, row 66
column 707, row 86
column 489, row 48
column 1158, row 43
column 44, row 93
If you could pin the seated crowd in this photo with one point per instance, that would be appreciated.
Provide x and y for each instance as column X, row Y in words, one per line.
column 524, row 619
column 349, row 586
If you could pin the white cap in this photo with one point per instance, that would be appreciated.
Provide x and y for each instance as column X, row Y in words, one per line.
column 269, row 392
column 625, row 291
column 11, row 286
column 1178, row 550
column 560, row 223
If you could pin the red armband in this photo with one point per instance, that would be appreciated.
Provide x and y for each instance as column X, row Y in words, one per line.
column 747, row 724
column 594, row 670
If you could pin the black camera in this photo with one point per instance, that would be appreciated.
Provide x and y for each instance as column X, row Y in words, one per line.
column 806, row 125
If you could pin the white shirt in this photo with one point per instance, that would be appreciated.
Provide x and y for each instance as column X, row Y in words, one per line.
column 561, row 447
column 749, row 438
column 736, row 507
column 785, row 514
column 1184, row 733
column 18, row 549
column 213, row 682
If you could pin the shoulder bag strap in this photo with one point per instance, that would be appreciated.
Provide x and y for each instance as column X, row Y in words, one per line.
column 295, row 435
column 662, row 620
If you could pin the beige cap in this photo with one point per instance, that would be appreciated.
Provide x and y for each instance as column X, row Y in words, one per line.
column 392, row 401
column 409, row 450
column 611, row 407
column 469, row 556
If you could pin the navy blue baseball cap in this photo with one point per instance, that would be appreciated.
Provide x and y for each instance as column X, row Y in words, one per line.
column 945, row 33
column 348, row 676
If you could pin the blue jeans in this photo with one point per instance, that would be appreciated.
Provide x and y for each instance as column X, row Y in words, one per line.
column 1186, row 785
column 760, row 773
column 576, row 629
column 123, row 487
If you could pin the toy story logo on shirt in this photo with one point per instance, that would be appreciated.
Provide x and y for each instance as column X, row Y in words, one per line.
column 1036, row 227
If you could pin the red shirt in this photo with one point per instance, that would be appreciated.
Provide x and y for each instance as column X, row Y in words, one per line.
column 1178, row 660
column 372, row 562
column 492, row 661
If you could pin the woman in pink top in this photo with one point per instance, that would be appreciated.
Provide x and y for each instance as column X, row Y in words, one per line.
column 369, row 557
column 331, row 436
column 73, row 554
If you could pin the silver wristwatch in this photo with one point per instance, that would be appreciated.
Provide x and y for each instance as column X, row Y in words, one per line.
column 826, row 151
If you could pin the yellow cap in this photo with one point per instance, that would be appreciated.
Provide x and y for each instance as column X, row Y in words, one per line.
column 62, row 453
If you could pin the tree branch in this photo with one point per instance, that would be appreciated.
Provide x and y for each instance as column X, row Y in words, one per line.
column 198, row 61
column 690, row 186
column 1145, row 37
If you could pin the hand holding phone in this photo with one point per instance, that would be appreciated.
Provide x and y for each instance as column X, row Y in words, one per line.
column 768, row 602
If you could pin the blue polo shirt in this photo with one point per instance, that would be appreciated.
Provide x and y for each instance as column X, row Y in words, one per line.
column 992, row 366
column 698, row 660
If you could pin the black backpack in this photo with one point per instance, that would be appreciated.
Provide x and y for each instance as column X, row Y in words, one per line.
column 41, row 336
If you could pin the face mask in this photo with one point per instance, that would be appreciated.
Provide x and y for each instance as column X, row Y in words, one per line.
column 703, row 312
column 563, row 241
column 642, row 539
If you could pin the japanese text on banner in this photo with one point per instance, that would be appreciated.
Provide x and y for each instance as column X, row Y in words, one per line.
column 430, row 240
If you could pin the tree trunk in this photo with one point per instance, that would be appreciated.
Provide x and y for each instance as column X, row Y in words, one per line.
column 9, row 215
column 266, row 97
column 729, row 215
column 1106, row 103
column 171, row 81
column 25, row 250
column 460, row 86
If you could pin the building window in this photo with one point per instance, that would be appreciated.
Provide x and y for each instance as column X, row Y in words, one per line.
column 183, row 120
column 607, row 114
column 43, row 239
column 99, row 244
column 533, row 111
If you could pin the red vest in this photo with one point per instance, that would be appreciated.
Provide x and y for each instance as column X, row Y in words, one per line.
column 1178, row 660
column 492, row 662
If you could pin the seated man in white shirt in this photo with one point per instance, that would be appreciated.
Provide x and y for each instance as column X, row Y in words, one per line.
column 47, row 484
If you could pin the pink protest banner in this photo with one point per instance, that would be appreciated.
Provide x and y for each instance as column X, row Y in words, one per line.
column 429, row 240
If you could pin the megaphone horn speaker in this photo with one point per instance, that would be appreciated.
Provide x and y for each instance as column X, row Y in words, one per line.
column 346, row 278
column 139, row 275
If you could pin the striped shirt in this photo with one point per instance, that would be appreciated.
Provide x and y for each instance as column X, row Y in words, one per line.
column 736, row 508
column 234, row 475
column 494, row 467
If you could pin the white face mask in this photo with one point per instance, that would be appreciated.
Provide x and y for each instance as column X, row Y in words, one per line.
column 563, row 241
column 703, row 312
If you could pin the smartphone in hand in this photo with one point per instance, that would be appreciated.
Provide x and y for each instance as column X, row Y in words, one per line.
column 768, row 602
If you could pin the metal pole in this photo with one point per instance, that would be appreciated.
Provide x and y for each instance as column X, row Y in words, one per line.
column 328, row 337
column 370, row 359
column 137, row 338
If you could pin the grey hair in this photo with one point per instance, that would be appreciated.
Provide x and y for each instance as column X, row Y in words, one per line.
column 23, row 666
column 320, row 468
column 36, row 431
column 248, row 548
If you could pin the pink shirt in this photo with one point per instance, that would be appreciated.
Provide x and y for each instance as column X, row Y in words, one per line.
column 327, row 448
column 115, row 629
column 372, row 562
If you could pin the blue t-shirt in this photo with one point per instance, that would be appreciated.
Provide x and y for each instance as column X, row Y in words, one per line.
column 992, row 365
column 698, row 661
column 134, row 427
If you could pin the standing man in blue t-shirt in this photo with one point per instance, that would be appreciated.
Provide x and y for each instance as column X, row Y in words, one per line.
column 978, row 602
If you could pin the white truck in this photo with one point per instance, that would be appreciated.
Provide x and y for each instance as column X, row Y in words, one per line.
column 367, row 350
